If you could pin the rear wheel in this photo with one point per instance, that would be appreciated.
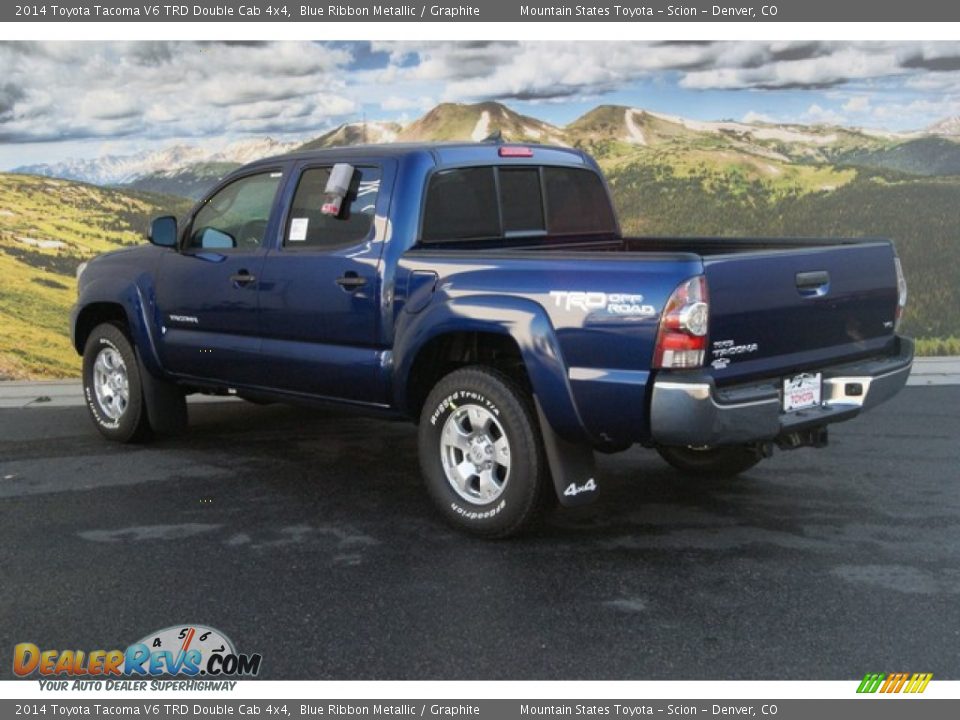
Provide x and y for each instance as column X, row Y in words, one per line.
column 480, row 452
column 707, row 462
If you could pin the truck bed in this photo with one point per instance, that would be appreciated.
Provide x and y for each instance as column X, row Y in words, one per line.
column 777, row 305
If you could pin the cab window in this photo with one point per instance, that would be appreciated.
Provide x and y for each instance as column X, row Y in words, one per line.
column 506, row 202
column 521, row 201
column 577, row 203
column 236, row 216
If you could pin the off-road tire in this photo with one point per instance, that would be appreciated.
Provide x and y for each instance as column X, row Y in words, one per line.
column 131, row 423
column 511, row 410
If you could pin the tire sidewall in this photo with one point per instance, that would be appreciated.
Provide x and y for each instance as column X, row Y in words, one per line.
column 512, row 507
column 125, row 427
column 721, row 462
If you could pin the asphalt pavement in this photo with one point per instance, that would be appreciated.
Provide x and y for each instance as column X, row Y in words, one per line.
column 306, row 536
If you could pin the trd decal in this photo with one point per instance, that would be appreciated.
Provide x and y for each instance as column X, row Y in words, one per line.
column 619, row 304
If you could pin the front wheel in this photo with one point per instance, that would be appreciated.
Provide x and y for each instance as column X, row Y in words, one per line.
column 112, row 386
column 480, row 452
column 707, row 462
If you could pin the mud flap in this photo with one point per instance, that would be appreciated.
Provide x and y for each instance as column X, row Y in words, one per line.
column 165, row 402
column 572, row 466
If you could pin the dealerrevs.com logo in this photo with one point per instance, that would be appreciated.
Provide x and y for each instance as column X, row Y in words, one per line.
column 192, row 651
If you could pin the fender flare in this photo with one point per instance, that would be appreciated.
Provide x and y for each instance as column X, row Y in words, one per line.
column 525, row 321
column 137, row 301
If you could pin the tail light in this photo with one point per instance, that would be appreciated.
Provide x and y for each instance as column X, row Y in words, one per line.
column 901, row 293
column 682, row 337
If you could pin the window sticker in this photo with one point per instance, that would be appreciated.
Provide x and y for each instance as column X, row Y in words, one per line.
column 298, row 229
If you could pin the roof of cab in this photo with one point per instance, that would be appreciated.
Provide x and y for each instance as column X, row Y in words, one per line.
column 443, row 153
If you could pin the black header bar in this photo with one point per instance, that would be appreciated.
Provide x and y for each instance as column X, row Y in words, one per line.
column 484, row 11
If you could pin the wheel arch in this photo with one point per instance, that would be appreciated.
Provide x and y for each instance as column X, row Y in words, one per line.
column 93, row 314
column 514, row 331
column 127, row 306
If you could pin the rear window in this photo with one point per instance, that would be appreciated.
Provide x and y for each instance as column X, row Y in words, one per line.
column 461, row 204
column 521, row 200
column 576, row 202
column 464, row 203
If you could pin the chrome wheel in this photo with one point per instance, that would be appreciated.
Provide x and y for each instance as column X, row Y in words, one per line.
column 475, row 453
column 110, row 383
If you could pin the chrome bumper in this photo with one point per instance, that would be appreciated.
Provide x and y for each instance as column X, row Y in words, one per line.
column 693, row 411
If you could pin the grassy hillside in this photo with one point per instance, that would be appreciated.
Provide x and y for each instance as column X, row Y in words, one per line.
column 47, row 228
column 919, row 214
column 925, row 156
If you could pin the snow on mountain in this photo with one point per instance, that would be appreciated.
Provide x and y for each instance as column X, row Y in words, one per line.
column 122, row 169
column 764, row 131
column 947, row 126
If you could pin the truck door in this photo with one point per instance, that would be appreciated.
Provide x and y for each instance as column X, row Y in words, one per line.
column 319, row 294
column 207, row 293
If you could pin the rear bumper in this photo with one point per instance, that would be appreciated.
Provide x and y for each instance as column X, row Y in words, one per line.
column 691, row 410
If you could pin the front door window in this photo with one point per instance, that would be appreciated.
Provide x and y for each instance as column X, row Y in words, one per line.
column 236, row 216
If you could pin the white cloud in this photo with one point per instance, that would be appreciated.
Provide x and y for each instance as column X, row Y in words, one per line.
column 834, row 66
column 72, row 91
column 823, row 116
column 857, row 104
column 756, row 117
column 917, row 112
column 396, row 102
column 550, row 70
column 163, row 90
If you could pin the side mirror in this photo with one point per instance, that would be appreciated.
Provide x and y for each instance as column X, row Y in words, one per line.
column 163, row 231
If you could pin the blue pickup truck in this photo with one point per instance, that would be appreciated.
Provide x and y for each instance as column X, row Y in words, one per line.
column 485, row 292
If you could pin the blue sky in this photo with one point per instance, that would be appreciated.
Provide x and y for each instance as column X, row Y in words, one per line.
column 86, row 100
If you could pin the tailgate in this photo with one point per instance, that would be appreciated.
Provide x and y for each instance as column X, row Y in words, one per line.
column 774, row 312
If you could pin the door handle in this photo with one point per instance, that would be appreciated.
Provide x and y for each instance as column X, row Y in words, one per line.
column 242, row 278
column 813, row 284
column 351, row 281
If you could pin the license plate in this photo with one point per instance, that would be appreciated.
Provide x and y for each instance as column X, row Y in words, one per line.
column 801, row 391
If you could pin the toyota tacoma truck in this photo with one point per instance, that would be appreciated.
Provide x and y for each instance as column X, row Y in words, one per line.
column 485, row 292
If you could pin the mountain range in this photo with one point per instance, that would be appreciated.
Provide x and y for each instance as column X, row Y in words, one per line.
column 189, row 170
column 125, row 169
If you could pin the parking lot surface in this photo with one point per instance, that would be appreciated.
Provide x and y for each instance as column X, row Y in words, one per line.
column 306, row 536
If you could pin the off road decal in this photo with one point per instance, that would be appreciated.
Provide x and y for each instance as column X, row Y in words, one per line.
column 615, row 304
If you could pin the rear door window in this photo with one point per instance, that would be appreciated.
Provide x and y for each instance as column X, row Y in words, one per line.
column 308, row 227
column 461, row 204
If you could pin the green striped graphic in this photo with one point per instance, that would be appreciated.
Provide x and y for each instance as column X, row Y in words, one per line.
column 871, row 682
